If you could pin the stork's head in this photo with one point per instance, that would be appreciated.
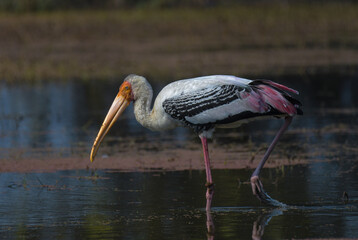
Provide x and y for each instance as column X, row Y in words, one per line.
column 125, row 95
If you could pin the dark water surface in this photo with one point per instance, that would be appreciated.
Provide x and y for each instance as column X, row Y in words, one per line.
column 61, row 120
column 171, row 205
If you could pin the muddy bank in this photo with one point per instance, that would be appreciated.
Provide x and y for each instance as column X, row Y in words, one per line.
column 167, row 160
column 227, row 151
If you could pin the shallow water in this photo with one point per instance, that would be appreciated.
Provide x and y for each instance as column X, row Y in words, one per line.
column 171, row 205
column 59, row 120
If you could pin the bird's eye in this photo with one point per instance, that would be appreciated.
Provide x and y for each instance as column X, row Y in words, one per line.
column 126, row 88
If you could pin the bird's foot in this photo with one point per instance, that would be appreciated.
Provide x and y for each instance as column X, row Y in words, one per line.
column 259, row 192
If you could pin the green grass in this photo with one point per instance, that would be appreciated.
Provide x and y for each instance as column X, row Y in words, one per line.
column 245, row 39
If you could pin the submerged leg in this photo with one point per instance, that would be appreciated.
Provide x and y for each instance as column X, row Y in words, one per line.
column 209, row 180
column 209, row 197
column 257, row 186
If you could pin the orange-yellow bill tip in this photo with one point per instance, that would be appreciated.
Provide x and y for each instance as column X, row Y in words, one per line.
column 93, row 152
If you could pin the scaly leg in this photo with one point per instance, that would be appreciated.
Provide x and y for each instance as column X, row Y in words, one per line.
column 256, row 184
column 209, row 181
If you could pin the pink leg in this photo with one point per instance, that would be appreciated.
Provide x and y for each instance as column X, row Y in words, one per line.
column 257, row 186
column 209, row 180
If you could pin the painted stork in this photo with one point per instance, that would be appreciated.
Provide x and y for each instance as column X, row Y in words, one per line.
column 203, row 104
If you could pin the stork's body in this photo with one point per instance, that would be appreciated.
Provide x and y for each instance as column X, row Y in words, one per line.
column 203, row 104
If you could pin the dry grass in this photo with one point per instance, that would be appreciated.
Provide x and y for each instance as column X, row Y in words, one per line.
column 177, row 42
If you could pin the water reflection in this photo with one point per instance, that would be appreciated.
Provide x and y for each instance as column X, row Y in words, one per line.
column 171, row 205
column 258, row 225
column 210, row 226
column 258, row 228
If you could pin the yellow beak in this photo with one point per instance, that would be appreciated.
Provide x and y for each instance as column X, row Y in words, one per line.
column 119, row 104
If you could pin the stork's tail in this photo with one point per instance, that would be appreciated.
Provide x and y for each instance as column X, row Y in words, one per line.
column 278, row 96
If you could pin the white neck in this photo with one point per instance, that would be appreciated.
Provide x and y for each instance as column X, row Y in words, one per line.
column 143, row 95
column 155, row 119
column 142, row 109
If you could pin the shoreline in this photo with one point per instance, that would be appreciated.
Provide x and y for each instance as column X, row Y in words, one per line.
column 147, row 160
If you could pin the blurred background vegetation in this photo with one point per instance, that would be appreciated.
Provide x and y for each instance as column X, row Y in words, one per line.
column 49, row 5
column 92, row 39
column 46, row 5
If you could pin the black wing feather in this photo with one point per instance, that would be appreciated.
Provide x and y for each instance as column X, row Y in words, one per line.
column 193, row 103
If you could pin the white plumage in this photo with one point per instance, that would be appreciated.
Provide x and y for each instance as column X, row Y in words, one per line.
column 202, row 104
column 186, row 86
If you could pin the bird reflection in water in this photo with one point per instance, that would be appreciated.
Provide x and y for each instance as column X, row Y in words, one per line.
column 258, row 226
column 209, row 218
column 261, row 222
